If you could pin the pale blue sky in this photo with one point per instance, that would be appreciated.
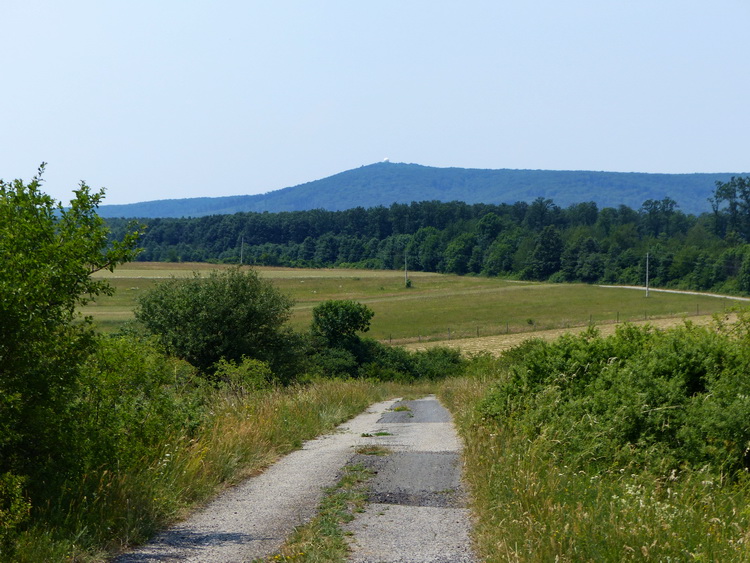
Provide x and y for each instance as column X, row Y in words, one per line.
column 169, row 99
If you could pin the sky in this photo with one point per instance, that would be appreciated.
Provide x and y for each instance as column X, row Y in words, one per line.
column 164, row 99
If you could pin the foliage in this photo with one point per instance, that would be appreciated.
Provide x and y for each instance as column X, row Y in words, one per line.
column 228, row 315
column 340, row 352
column 537, row 241
column 14, row 508
column 338, row 322
column 48, row 254
column 245, row 377
column 609, row 449
column 129, row 395
column 651, row 399
column 129, row 498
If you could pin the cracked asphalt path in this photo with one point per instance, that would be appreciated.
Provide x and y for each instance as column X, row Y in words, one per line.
column 416, row 513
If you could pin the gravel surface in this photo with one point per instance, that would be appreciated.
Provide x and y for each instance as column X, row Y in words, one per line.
column 417, row 502
column 254, row 519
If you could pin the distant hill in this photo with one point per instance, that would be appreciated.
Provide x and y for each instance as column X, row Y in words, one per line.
column 385, row 183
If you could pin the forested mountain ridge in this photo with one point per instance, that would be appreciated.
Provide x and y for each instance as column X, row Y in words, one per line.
column 536, row 241
column 385, row 183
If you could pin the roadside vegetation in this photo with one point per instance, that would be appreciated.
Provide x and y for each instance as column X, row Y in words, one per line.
column 104, row 439
column 630, row 447
column 587, row 448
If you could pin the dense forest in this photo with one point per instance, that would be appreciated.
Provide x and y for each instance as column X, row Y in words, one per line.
column 536, row 241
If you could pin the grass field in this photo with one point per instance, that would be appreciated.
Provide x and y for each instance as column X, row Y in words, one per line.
column 436, row 307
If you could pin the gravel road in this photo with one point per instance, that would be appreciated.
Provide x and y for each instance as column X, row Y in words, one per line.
column 417, row 509
column 416, row 513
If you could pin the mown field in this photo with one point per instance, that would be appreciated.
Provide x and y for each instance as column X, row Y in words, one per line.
column 435, row 307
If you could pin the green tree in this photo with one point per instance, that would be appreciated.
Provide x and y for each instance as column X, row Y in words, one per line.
column 458, row 253
column 48, row 253
column 230, row 314
column 338, row 321
column 546, row 258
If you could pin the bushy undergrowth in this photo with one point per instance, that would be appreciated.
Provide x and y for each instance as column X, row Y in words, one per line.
column 153, row 469
column 152, row 436
column 606, row 449
column 643, row 397
column 365, row 358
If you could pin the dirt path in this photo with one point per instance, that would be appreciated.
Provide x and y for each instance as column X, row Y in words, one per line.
column 498, row 344
column 418, row 487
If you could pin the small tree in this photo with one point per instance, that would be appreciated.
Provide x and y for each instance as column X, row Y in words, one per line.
column 228, row 315
column 47, row 255
column 339, row 321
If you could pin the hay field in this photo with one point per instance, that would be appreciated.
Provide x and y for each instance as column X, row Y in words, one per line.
column 437, row 307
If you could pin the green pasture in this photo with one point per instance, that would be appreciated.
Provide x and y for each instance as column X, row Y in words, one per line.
column 435, row 307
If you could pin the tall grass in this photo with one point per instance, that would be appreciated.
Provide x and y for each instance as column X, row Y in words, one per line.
column 110, row 509
column 535, row 501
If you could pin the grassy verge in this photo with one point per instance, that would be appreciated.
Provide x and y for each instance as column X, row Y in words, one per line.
column 542, row 492
column 322, row 539
column 109, row 510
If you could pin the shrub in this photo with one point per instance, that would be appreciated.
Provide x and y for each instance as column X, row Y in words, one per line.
column 641, row 397
column 130, row 396
column 229, row 315
column 338, row 322
column 247, row 376
column 14, row 508
column 48, row 253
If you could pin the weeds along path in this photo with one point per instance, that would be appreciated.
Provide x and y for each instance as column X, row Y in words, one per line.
column 417, row 503
column 498, row 344
column 253, row 519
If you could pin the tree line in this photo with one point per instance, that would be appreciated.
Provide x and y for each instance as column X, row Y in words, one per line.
column 535, row 241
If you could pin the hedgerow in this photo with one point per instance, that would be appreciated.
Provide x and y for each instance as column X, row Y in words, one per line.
column 658, row 400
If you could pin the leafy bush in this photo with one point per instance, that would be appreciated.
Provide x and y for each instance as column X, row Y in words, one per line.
column 48, row 253
column 229, row 315
column 130, row 397
column 14, row 507
column 641, row 397
column 247, row 376
column 338, row 322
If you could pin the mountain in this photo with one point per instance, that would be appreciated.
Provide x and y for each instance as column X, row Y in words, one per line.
column 385, row 183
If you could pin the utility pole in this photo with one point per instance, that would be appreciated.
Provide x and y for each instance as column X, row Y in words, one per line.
column 406, row 272
column 646, row 274
column 242, row 250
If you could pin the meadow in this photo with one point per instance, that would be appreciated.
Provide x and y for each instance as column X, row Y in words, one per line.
column 435, row 307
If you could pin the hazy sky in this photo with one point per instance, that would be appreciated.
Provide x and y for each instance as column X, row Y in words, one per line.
column 177, row 98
